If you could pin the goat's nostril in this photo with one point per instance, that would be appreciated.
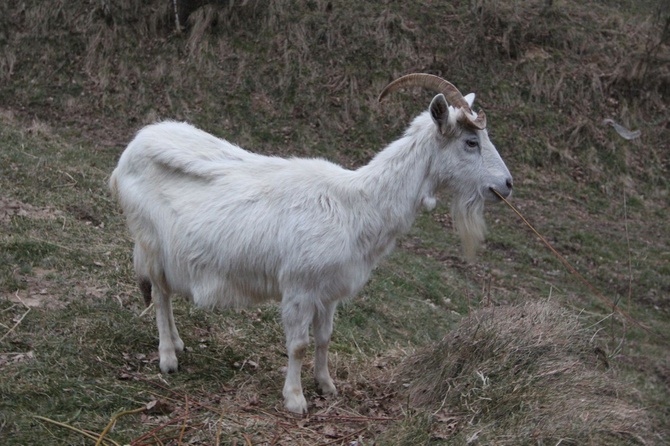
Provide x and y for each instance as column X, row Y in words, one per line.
column 509, row 184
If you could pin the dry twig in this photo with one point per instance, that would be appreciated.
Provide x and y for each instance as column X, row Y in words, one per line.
column 74, row 429
column 574, row 271
column 112, row 422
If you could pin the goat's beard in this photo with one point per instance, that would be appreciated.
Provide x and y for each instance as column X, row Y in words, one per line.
column 467, row 213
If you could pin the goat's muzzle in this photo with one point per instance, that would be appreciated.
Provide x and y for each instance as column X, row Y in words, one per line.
column 501, row 195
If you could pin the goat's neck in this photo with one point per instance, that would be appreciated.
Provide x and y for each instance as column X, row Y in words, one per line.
column 398, row 180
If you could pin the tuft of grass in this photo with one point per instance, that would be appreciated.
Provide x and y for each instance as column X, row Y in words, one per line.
column 507, row 375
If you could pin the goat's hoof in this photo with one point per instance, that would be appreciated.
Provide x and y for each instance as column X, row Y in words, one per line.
column 296, row 404
column 327, row 389
column 169, row 365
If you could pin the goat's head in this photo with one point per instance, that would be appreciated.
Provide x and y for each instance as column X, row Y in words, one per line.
column 465, row 159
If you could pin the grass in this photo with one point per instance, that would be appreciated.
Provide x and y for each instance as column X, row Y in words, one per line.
column 301, row 79
column 535, row 361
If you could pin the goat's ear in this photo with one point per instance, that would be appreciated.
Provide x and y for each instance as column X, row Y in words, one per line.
column 470, row 99
column 439, row 111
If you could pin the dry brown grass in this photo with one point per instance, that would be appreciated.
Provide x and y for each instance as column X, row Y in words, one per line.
column 589, row 61
column 525, row 374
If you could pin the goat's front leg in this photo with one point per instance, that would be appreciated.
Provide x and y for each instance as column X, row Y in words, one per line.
column 323, row 329
column 296, row 316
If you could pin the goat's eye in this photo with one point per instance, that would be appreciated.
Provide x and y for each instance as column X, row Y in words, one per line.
column 472, row 143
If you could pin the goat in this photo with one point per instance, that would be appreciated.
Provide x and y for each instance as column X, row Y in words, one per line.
column 226, row 227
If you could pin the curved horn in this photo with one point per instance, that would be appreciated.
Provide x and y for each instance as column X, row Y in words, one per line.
column 436, row 83
column 430, row 82
column 480, row 121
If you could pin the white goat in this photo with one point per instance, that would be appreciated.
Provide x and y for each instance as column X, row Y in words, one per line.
column 226, row 227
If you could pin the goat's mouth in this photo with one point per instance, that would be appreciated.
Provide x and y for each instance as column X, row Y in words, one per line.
column 497, row 196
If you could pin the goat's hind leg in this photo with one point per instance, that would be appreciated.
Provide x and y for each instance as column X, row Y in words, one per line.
column 174, row 333
column 145, row 287
column 322, row 325
column 169, row 342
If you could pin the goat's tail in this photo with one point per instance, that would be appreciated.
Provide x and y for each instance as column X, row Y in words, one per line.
column 113, row 186
column 140, row 261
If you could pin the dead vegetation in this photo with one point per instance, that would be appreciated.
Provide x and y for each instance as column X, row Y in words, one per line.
column 590, row 61
column 525, row 374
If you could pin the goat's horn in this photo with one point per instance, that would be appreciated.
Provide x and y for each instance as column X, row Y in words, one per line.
column 435, row 83
column 430, row 82
column 480, row 121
